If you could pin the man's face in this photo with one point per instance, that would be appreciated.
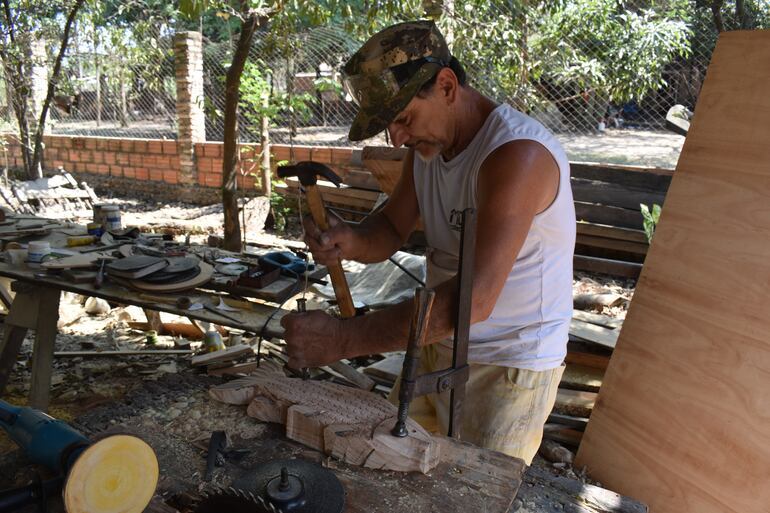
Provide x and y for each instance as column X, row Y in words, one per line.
column 422, row 125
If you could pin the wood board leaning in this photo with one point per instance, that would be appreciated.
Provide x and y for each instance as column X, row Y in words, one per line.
column 681, row 419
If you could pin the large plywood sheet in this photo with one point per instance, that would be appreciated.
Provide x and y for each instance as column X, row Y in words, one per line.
column 683, row 417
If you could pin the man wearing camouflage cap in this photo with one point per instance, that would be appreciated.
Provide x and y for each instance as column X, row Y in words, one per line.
column 465, row 150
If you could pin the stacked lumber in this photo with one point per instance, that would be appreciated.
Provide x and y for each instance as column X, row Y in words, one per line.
column 59, row 195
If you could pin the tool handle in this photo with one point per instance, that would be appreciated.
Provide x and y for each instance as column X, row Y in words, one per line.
column 423, row 303
column 337, row 275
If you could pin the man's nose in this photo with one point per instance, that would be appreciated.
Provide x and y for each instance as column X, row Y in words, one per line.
column 398, row 135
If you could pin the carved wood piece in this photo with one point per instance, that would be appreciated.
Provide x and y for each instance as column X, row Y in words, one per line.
column 347, row 423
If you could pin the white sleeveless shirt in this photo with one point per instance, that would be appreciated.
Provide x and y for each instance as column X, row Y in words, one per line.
column 529, row 325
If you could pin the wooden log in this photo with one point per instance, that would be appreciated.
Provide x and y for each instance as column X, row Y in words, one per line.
column 347, row 423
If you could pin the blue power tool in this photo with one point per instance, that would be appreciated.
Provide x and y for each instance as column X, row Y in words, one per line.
column 286, row 261
column 90, row 470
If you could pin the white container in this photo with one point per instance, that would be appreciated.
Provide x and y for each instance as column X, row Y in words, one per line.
column 111, row 215
column 37, row 250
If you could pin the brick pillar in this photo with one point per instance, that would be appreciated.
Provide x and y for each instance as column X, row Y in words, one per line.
column 188, row 61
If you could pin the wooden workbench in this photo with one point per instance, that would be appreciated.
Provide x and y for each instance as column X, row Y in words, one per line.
column 36, row 306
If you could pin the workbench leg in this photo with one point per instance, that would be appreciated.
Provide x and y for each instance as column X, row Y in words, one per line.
column 45, row 339
column 153, row 319
column 5, row 293
column 13, row 336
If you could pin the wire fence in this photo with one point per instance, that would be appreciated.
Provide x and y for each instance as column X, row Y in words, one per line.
column 602, row 74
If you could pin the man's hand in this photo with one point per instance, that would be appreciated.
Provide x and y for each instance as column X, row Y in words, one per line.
column 313, row 339
column 337, row 243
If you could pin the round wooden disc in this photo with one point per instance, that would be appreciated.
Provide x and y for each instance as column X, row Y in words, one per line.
column 116, row 474
column 201, row 279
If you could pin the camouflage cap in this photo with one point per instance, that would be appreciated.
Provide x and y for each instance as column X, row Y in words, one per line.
column 389, row 69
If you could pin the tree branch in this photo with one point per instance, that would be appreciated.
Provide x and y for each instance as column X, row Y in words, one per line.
column 38, row 155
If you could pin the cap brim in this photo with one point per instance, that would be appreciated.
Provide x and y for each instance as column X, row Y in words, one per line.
column 371, row 121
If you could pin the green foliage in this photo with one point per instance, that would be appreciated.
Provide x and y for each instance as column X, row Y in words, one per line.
column 261, row 100
column 579, row 46
column 650, row 219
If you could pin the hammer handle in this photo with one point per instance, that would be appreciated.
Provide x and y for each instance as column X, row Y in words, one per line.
column 337, row 275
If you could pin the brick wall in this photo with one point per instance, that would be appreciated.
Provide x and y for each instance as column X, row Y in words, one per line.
column 151, row 168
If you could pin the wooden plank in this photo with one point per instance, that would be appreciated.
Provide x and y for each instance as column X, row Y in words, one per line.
column 614, row 194
column 593, row 333
column 611, row 232
column 582, row 377
column 387, row 369
column 347, row 423
column 576, row 398
column 682, row 421
column 47, row 311
column 636, row 248
column 606, row 214
column 231, row 353
column 598, row 319
column 651, row 179
column 606, row 266
column 547, row 493
column 596, row 361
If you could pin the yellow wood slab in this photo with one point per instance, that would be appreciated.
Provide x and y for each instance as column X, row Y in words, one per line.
column 681, row 422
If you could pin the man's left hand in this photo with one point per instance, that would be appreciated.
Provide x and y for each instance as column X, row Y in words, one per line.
column 313, row 339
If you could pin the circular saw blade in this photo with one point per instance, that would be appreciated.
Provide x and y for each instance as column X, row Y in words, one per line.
column 323, row 492
column 232, row 500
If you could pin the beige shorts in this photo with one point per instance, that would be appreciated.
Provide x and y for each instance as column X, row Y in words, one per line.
column 504, row 408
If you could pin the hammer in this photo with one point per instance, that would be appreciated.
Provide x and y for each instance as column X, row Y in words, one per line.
column 308, row 172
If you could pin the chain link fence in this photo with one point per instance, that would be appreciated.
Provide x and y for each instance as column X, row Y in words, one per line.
column 602, row 74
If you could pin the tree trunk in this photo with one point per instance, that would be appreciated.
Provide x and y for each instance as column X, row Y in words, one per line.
column 232, row 233
column 37, row 160
column 264, row 142
column 716, row 11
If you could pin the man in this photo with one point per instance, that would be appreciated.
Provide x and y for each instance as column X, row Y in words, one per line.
column 464, row 151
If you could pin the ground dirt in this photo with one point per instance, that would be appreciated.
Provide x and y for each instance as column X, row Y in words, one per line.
column 162, row 398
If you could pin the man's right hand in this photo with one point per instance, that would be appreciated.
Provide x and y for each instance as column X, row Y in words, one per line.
column 337, row 243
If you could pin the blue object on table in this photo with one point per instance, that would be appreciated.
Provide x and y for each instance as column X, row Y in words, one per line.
column 287, row 261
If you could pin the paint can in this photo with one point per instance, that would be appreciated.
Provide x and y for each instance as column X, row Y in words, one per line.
column 37, row 250
column 112, row 221
column 234, row 338
column 152, row 337
column 95, row 229
column 212, row 341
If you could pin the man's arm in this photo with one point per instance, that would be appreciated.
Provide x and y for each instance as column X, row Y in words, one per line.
column 378, row 236
column 516, row 182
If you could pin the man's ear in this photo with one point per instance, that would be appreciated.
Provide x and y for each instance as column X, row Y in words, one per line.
column 447, row 85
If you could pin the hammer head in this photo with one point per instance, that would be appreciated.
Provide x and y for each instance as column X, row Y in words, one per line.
column 308, row 172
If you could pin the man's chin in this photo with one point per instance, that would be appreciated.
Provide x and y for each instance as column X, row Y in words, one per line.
column 427, row 157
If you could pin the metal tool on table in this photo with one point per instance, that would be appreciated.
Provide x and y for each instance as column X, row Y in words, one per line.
column 308, row 172
column 83, row 468
column 455, row 377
